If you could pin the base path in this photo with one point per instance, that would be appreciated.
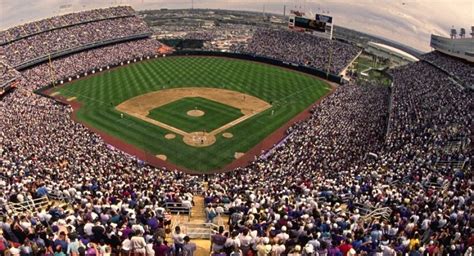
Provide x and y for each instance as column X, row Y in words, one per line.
column 140, row 107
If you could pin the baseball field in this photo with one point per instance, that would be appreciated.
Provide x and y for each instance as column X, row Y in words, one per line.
column 200, row 113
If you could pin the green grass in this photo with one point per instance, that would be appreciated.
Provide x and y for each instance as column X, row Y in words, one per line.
column 175, row 114
column 364, row 63
column 289, row 92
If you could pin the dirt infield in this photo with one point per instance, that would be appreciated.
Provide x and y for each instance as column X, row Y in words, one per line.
column 227, row 135
column 195, row 113
column 140, row 107
column 199, row 139
column 162, row 157
column 249, row 156
column 267, row 144
column 170, row 136
column 238, row 155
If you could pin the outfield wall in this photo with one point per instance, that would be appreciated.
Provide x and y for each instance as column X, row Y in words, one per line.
column 301, row 68
column 293, row 66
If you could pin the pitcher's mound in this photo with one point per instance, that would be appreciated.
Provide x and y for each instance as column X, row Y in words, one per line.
column 195, row 113
column 199, row 139
column 170, row 136
column 238, row 155
column 162, row 157
column 227, row 135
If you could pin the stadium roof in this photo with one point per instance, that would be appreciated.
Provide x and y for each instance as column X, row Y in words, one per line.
column 393, row 50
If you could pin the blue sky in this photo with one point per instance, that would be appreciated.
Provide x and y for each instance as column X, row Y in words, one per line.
column 409, row 22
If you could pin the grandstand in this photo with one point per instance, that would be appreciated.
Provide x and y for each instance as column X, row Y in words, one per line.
column 372, row 170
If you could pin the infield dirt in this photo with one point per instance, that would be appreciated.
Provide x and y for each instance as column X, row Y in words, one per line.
column 141, row 106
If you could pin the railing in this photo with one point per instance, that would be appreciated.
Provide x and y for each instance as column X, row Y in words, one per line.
column 59, row 196
column 7, row 83
column 28, row 205
column 3, row 177
column 378, row 213
column 178, row 208
column 199, row 230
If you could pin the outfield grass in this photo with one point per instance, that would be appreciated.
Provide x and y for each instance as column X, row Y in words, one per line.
column 175, row 114
column 289, row 92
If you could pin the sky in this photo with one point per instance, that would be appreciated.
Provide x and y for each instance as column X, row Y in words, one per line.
column 407, row 21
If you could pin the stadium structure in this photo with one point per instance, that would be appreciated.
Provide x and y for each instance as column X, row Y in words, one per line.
column 116, row 143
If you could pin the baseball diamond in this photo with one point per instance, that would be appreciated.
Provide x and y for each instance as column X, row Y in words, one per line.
column 199, row 112
column 186, row 129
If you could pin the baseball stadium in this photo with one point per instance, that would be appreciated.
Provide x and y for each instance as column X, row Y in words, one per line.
column 195, row 129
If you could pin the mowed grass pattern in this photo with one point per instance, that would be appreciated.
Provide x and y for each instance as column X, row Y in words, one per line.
column 175, row 114
column 289, row 92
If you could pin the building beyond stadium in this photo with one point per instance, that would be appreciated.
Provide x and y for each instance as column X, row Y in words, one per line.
column 457, row 47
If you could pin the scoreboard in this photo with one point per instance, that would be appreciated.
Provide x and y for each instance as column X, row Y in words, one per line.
column 301, row 22
column 322, row 25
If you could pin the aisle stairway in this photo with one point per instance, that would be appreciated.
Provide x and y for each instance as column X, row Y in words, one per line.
column 196, row 227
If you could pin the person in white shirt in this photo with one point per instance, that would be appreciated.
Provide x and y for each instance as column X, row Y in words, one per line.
column 126, row 246
column 138, row 245
column 149, row 248
column 178, row 240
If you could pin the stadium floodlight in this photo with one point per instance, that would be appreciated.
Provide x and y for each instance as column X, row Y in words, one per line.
column 453, row 33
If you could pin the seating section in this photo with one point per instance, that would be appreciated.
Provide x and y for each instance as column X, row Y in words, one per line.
column 300, row 48
column 50, row 42
column 7, row 74
column 372, row 171
column 56, row 22
column 77, row 64
column 461, row 69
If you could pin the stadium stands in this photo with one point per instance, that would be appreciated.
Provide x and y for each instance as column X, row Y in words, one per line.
column 80, row 63
column 343, row 182
column 57, row 22
column 40, row 45
column 300, row 48
column 8, row 76
column 460, row 69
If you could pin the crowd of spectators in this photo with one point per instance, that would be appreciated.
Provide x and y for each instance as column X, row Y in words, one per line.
column 7, row 73
column 53, row 41
column 460, row 69
column 370, row 172
column 63, row 21
column 291, row 202
column 43, row 150
column 300, row 48
column 80, row 63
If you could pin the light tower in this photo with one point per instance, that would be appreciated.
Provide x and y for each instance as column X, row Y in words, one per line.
column 453, row 33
